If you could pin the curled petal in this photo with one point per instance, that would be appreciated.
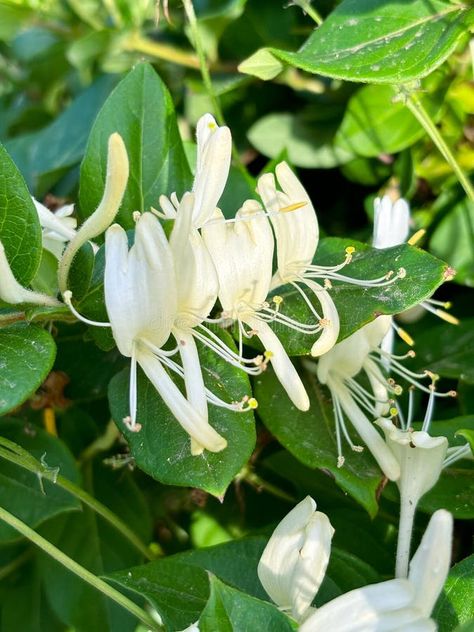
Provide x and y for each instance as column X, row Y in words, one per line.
column 391, row 222
column 330, row 332
column 104, row 215
column 281, row 363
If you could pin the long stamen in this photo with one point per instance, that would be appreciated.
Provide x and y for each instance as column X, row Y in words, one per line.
column 222, row 345
column 67, row 296
column 247, row 403
column 449, row 318
column 405, row 336
column 429, row 410
column 355, row 448
column 131, row 421
column 306, row 300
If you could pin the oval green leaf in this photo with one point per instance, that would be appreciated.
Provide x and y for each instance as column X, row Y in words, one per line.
column 27, row 354
column 374, row 41
column 20, row 231
column 141, row 110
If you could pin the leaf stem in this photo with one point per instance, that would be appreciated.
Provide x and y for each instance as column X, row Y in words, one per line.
column 17, row 455
column 206, row 77
column 77, row 569
column 416, row 108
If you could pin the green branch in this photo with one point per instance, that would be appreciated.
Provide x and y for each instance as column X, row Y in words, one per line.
column 77, row 569
column 19, row 456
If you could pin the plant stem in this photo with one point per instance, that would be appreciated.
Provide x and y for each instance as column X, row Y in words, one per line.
column 140, row 44
column 24, row 459
column 310, row 10
column 405, row 529
column 77, row 569
column 416, row 108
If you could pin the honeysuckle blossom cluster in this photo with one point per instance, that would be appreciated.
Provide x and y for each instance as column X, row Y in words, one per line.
column 294, row 563
column 160, row 290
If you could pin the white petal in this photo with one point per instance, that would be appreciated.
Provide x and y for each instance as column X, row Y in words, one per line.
column 429, row 566
column 281, row 554
column 196, row 277
column 14, row 293
column 330, row 333
column 391, row 222
column 212, row 167
column 369, row 435
column 242, row 253
column 192, row 422
column 311, row 567
column 193, row 380
column 377, row 382
column 63, row 228
column 140, row 286
column 362, row 609
column 296, row 231
column 281, row 363
column 115, row 185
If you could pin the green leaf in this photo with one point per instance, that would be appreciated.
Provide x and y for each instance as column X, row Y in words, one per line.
column 307, row 144
column 376, row 42
column 261, row 64
column 162, row 447
column 468, row 434
column 447, row 350
column 453, row 240
column 310, row 436
column 141, row 110
column 26, row 356
column 12, row 19
column 375, row 123
column 80, row 276
column 456, row 606
column 20, row 231
column 359, row 305
column 23, row 588
column 25, row 494
column 229, row 610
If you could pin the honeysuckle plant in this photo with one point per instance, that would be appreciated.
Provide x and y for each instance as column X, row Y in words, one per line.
column 177, row 379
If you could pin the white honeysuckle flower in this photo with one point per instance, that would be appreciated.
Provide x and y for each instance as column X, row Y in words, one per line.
column 242, row 253
column 14, row 293
column 141, row 301
column 337, row 369
column 422, row 458
column 294, row 561
column 391, row 222
column 297, row 233
column 214, row 149
column 397, row 604
column 197, row 288
column 57, row 228
column 115, row 185
column 194, row 627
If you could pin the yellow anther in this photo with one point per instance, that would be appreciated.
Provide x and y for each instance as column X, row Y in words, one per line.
column 405, row 336
column 268, row 355
column 136, row 215
column 278, row 300
column 398, row 390
column 447, row 305
column 393, row 412
column 327, row 284
column 411, row 354
column 292, row 207
column 252, row 403
column 449, row 318
column 212, row 125
column 452, row 394
column 324, row 322
column 434, row 376
column 350, row 250
column 415, row 238
column 402, row 273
